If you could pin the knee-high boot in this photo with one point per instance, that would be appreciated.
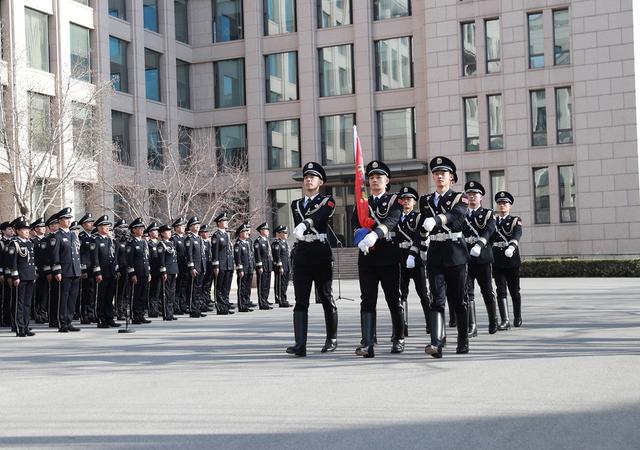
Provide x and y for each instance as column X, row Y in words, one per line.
column 473, row 327
column 300, row 324
column 398, row 324
column 331, row 323
column 503, row 307
column 436, row 320
column 368, row 331
column 491, row 313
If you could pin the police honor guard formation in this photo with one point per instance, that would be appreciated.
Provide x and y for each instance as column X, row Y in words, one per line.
column 106, row 272
column 245, row 264
column 282, row 266
column 223, row 264
column 264, row 265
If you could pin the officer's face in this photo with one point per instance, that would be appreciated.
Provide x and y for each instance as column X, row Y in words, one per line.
column 179, row 229
column 88, row 226
column 264, row 233
column 244, row 235
column 9, row 232
column 408, row 203
column 475, row 198
column 194, row 228
column 39, row 230
column 23, row 233
column 204, row 234
column 282, row 235
column 442, row 178
column 64, row 222
column 153, row 234
column 103, row 229
column 223, row 224
column 378, row 182
column 312, row 182
column 504, row 207
column 137, row 231
column 166, row 235
column 54, row 227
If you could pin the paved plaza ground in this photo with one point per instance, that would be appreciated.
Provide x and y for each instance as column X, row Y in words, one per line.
column 569, row 378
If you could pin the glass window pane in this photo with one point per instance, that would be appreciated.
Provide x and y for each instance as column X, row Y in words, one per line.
column 184, row 85
column 283, row 144
column 39, row 122
column 118, row 8
column 181, row 13
column 227, row 20
column 541, row 195
column 279, row 16
column 336, row 139
column 282, row 77
column 561, row 51
column 386, row 9
column 563, row 116
column 80, row 47
column 185, row 138
column 229, row 83
column 333, row 13
column 472, row 176
column 37, row 35
column 497, row 182
column 152, row 74
column 398, row 52
column 118, row 61
column 396, row 134
column 492, row 42
column 567, row 185
column 538, row 118
column 494, row 105
column 536, row 40
column 471, row 125
column 281, row 206
column 150, row 12
column 231, row 147
column 84, row 129
column 469, row 65
column 120, row 137
column 154, row 144
column 336, row 70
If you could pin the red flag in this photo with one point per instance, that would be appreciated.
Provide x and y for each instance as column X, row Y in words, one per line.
column 362, row 203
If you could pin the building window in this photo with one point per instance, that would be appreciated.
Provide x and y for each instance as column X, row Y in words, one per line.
column 282, row 77
column 81, row 193
column 80, row 46
column 155, row 145
column 39, row 122
column 336, row 70
column 281, row 206
column 541, row 195
column 185, row 139
column 472, row 176
column 120, row 138
column 118, row 8
column 279, row 17
column 396, row 134
column 387, row 9
column 227, row 20
column 83, row 2
column 561, row 51
column 469, row 51
column 336, row 139
column 183, row 70
column 494, row 106
column 283, row 144
column 567, row 184
column 497, row 182
column 181, row 14
column 231, row 147
column 37, row 34
column 333, row 13
column 229, row 83
column 536, row 40
column 393, row 64
column 120, row 208
column 538, row 118
column 563, row 116
column 150, row 12
column 152, row 74
column 118, row 61
column 83, row 128
column 492, row 44
column 471, row 125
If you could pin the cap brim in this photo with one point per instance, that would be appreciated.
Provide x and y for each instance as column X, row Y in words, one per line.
column 377, row 171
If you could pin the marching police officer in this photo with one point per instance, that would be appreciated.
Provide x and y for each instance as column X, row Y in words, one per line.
column 478, row 228
column 85, row 307
column 196, row 263
column 446, row 255
column 65, row 268
column 222, row 255
column 23, row 274
column 138, row 270
column 169, row 269
column 184, row 276
column 41, row 286
column 155, row 262
column 282, row 265
column 106, row 272
column 264, row 265
column 312, row 259
column 245, row 264
column 379, row 261
column 506, row 260
column 121, row 234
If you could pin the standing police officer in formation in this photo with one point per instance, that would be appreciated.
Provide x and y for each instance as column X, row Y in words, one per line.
column 120, row 231
column 379, row 261
column 245, row 264
column 138, row 270
column 506, row 257
column 264, row 265
column 41, row 287
column 196, row 259
column 155, row 263
column 222, row 255
column 5, row 276
column 23, row 275
column 106, row 272
column 170, row 269
column 440, row 236
column 85, row 306
column 479, row 226
column 282, row 266
column 312, row 259
column 53, row 290
column 184, row 277
column 207, row 280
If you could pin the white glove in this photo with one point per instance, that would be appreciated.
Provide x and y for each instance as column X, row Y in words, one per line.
column 363, row 247
column 370, row 239
column 411, row 262
column 429, row 224
column 298, row 231
column 475, row 250
column 509, row 251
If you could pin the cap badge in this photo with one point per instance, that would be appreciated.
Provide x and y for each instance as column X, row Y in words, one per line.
column 374, row 165
column 310, row 166
column 472, row 184
column 406, row 190
column 439, row 160
column 501, row 194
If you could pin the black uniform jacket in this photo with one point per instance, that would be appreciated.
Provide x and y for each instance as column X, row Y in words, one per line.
column 65, row 254
column 478, row 229
column 315, row 216
column 280, row 252
column 508, row 233
column 243, row 255
column 138, row 258
column 221, row 250
column 107, row 262
column 22, row 260
column 262, row 254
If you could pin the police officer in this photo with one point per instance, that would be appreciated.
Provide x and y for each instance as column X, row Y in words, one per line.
column 5, row 275
column 23, row 274
column 245, row 264
column 184, row 276
column 65, row 268
column 121, row 238
column 169, row 269
column 506, row 260
column 312, row 259
column 207, row 280
column 41, row 286
column 196, row 263
column 222, row 255
column 379, row 261
column 405, row 234
column 282, row 265
column 53, row 288
column 478, row 228
column 155, row 262
column 443, row 214
column 264, row 265
column 138, row 270
column 106, row 272
column 85, row 307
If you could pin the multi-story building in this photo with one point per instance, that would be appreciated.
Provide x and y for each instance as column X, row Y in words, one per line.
column 534, row 97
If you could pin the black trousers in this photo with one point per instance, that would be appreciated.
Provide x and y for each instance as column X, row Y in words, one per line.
column 122, row 297
column 448, row 283
column 194, row 293
column 41, row 296
column 419, row 276
column 6, row 315
column 168, row 296
column 106, row 293
column 24, row 294
column 507, row 278
column 482, row 274
column 139, row 298
column 155, row 288
column 280, row 285
column 54, row 302
column 87, row 298
column 207, row 284
column 321, row 275
column 183, row 281
column 389, row 278
column 223, row 287
column 244, row 290
column 69, row 288
column 263, row 286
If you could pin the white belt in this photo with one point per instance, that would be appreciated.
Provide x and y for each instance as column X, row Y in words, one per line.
column 405, row 244
column 471, row 239
column 501, row 244
column 314, row 237
column 441, row 237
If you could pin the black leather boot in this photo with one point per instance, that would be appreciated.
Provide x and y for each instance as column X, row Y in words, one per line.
column 331, row 323
column 503, row 307
column 473, row 327
column 300, row 324
column 517, row 312
column 491, row 313
column 436, row 321
column 463, row 331
column 405, row 317
column 398, row 323
column 368, row 332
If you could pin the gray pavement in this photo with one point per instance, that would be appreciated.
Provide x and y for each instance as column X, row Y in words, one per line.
column 569, row 378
